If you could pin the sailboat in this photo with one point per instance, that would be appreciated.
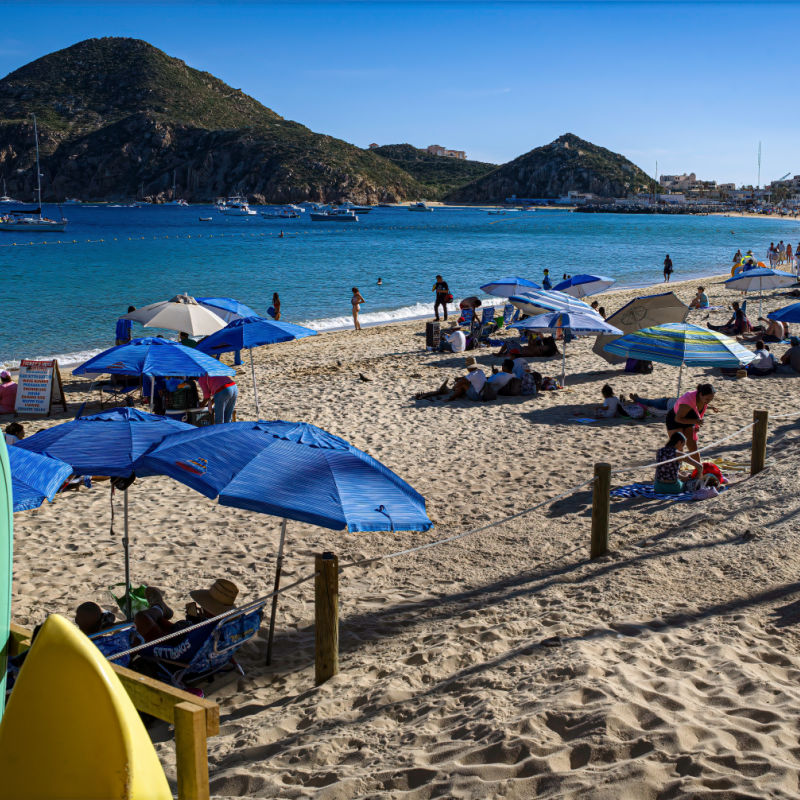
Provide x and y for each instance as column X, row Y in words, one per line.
column 176, row 201
column 32, row 221
column 4, row 198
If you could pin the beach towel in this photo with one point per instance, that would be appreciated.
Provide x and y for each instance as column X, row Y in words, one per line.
column 647, row 490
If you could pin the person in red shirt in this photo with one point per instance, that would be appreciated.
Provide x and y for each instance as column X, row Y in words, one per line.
column 220, row 395
column 8, row 393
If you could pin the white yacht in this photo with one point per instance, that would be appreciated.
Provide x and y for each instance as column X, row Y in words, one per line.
column 32, row 221
column 356, row 209
column 335, row 215
column 420, row 206
column 283, row 212
column 235, row 207
column 176, row 201
column 4, row 198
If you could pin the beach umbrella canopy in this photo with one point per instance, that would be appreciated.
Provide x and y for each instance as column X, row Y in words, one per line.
column 788, row 314
column 250, row 332
column 756, row 280
column 180, row 313
column 539, row 301
column 578, row 323
column 226, row 307
column 35, row 478
column 505, row 287
column 680, row 343
column 292, row 470
column 642, row 312
column 584, row 285
column 109, row 443
column 155, row 357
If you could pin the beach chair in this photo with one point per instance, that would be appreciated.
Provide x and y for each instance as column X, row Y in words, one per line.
column 120, row 387
column 116, row 640
column 486, row 324
column 510, row 314
column 207, row 651
column 467, row 317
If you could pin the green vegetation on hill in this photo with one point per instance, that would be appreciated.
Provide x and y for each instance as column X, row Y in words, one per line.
column 567, row 164
column 437, row 174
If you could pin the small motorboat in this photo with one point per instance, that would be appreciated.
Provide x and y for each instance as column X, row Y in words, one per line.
column 336, row 215
column 419, row 207
column 206, row 219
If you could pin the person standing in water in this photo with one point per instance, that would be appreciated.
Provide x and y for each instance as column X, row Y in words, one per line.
column 276, row 306
column 356, row 301
column 380, row 281
column 667, row 268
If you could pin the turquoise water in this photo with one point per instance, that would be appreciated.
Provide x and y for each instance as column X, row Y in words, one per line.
column 64, row 299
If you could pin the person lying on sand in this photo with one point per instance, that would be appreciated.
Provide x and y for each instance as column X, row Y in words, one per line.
column 773, row 332
column 471, row 385
column 663, row 404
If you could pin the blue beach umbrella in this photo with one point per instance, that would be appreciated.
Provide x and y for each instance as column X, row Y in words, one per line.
column 292, row 470
column 756, row 280
column 35, row 478
column 250, row 332
column 584, row 285
column 538, row 301
column 680, row 343
column 226, row 307
column 505, row 287
column 578, row 323
column 790, row 313
column 109, row 443
column 157, row 358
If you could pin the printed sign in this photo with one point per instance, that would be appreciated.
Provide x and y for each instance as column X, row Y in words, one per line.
column 39, row 386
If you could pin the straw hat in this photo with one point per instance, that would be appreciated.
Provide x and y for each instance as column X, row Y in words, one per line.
column 471, row 363
column 221, row 597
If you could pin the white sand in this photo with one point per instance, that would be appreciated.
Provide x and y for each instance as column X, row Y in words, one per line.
column 677, row 673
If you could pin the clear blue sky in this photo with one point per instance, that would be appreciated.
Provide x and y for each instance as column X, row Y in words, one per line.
column 692, row 85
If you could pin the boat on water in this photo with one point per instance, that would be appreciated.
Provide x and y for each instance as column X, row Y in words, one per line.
column 235, row 207
column 205, row 219
column 282, row 212
column 176, row 201
column 179, row 202
column 335, row 215
column 32, row 220
column 420, row 206
column 356, row 209
column 4, row 198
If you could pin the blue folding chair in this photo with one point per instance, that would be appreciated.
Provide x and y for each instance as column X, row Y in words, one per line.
column 467, row 317
column 486, row 324
column 116, row 640
column 206, row 651
column 510, row 314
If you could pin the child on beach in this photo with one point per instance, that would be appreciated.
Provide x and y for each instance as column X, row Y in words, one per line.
column 666, row 478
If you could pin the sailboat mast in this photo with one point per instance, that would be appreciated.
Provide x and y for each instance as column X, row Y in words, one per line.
column 38, row 171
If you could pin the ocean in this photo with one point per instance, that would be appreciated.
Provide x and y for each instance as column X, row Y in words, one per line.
column 64, row 292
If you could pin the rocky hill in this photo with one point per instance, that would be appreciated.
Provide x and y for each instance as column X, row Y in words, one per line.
column 438, row 175
column 119, row 118
column 567, row 164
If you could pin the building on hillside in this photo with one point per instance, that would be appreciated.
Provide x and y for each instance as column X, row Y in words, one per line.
column 374, row 146
column 438, row 150
column 677, row 181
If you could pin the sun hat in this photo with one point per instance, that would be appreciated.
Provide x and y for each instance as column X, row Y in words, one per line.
column 221, row 597
column 471, row 363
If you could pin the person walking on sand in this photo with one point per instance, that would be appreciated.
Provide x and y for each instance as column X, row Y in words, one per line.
column 667, row 268
column 356, row 301
column 442, row 296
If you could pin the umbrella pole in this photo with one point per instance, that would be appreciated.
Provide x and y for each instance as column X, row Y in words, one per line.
column 255, row 388
column 274, row 611
column 680, row 373
column 125, row 545
column 152, row 392
column 564, row 359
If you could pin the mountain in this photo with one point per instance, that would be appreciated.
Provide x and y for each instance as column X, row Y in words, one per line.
column 118, row 118
column 566, row 164
column 437, row 175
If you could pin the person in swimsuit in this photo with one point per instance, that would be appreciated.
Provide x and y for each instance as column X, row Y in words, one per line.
column 686, row 416
column 356, row 301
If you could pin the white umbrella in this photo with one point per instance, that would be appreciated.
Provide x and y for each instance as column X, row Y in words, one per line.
column 756, row 280
column 538, row 301
column 578, row 323
column 181, row 313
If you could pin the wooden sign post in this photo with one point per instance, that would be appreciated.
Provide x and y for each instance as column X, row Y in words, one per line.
column 39, row 387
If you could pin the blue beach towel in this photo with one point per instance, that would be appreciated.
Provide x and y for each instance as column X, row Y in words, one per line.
column 647, row 490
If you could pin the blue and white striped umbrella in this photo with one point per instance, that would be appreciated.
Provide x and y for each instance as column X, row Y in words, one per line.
column 505, row 287
column 578, row 323
column 35, row 478
column 539, row 301
column 584, row 285
column 679, row 343
column 756, row 280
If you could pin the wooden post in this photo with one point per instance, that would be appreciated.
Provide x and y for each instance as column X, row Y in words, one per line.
column 191, row 752
column 759, row 451
column 326, row 616
column 601, row 502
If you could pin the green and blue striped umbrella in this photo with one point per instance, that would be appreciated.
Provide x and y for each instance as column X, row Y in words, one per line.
column 680, row 343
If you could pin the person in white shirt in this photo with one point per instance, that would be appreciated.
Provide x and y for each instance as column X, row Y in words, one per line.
column 458, row 341
column 471, row 385
column 764, row 363
column 610, row 407
column 500, row 380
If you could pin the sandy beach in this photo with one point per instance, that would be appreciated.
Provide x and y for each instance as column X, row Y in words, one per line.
column 506, row 663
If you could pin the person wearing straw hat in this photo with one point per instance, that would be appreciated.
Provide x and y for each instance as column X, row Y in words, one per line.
column 156, row 620
column 470, row 385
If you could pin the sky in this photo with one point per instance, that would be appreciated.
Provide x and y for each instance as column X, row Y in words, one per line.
column 692, row 86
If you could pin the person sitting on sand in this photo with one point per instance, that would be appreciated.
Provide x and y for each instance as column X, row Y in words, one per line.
column 666, row 478
column 470, row 385
column 8, row 393
column 790, row 360
column 90, row 618
column 611, row 406
column 155, row 621
column 764, row 363
column 499, row 380
column 13, row 433
column 737, row 325
column 700, row 300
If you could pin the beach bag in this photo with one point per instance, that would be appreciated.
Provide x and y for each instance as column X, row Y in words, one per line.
column 710, row 469
column 138, row 599
column 449, row 298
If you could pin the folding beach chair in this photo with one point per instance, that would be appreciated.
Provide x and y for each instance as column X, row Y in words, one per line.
column 207, row 651
column 486, row 324
column 510, row 314
column 116, row 640
column 467, row 317
column 120, row 387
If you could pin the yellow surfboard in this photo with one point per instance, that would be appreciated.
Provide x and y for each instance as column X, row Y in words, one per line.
column 70, row 730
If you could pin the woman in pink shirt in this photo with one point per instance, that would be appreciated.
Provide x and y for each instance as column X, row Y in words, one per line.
column 8, row 393
column 219, row 393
